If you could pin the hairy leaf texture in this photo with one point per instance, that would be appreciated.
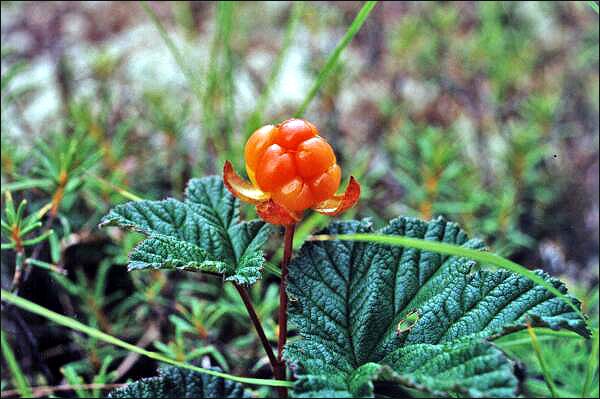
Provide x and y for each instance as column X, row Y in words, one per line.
column 373, row 315
column 202, row 233
column 173, row 382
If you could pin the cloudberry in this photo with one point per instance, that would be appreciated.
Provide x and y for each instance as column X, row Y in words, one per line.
column 291, row 168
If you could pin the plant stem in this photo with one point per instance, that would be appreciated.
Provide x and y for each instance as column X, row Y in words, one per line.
column 19, row 261
column 257, row 325
column 288, row 246
column 24, row 276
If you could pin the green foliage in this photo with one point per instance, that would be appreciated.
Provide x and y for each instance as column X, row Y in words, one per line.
column 62, row 159
column 15, row 370
column 437, row 108
column 203, row 233
column 571, row 361
column 74, row 375
column 171, row 117
column 97, row 334
column 333, row 59
column 428, row 162
column 17, row 227
column 351, row 300
column 176, row 383
column 256, row 118
column 196, row 323
column 441, row 176
column 501, row 33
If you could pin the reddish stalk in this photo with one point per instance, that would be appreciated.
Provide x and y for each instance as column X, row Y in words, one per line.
column 258, row 326
column 23, row 276
column 288, row 241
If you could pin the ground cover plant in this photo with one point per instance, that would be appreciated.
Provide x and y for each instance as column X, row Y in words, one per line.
column 188, row 210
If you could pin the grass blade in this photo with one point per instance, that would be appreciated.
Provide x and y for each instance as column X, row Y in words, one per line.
column 333, row 59
column 108, row 185
column 517, row 338
column 523, row 341
column 271, row 268
column 191, row 78
column 538, row 389
column 256, row 117
column 538, row 352
column 456, row 250
column 217, row 101
column 95, row 333
column 591, row 367
column 13, row 366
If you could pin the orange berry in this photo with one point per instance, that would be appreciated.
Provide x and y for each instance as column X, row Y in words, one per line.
column 293, row 132
column 256, row 147
column 314, row 157
column 275, row 168
column 295, row 195
column 292, row 164
column 326, row 185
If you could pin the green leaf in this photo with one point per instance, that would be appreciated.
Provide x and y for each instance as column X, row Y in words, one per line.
column 202, row 233
column 469, row 367
column 423, row 315
column 177, row 383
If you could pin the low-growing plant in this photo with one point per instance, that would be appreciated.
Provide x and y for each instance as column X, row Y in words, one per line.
column 379, row 307
column 21, row 232
column 406, row 308
column 373, row 318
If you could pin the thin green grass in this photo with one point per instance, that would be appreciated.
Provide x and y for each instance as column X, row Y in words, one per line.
column 524, row 341
column 119, row 190
column 334, row 58
column 226, row 22
column 255, row 120
column 11, row 361
column 219, row 82
column 271, row 268
column 592, row 366
column 455, row 250
column 542, row 362
column 219, row 85
column 544, row 334
column 97, row 334
column 188, row 73
column 537, row 389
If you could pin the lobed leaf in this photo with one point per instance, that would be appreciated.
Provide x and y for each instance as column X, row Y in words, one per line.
column 202, row 233
column 374, row 315
column 173, row 382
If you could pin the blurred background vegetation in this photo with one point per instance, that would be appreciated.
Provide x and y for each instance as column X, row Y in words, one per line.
column 486, row 113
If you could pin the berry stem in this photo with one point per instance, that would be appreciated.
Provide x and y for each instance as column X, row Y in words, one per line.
column 257, row 325
column 288, row 241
